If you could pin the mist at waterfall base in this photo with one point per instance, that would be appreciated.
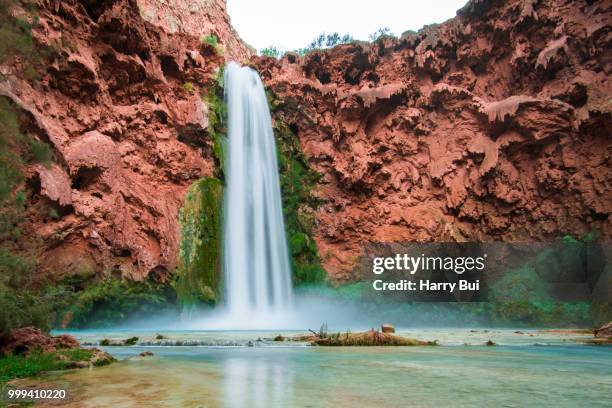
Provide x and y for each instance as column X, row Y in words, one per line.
column 258, row 293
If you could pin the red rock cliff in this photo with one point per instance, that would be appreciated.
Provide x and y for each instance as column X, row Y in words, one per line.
column 492, row 126
column 120, row 103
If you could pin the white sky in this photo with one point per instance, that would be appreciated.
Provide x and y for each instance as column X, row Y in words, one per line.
column 291, row 24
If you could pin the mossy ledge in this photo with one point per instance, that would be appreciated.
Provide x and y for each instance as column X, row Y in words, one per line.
column 199, row 267
column 217, row 115
column 298, row 182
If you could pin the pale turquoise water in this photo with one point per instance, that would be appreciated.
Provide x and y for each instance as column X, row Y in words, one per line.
column 546, row 370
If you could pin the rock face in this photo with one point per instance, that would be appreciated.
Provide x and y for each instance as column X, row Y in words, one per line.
column 121, row 100
column 604, row 331
column 198, row 18
column 28, row 339
column 494, row 126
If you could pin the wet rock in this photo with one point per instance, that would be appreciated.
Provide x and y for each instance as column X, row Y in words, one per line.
column 604, row 331
column 387, row 328
column 101, row 358
column 55, row 184
column 131, row 341
column 146, row 354
column 78, row 364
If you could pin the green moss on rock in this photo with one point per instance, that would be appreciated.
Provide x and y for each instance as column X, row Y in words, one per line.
column 79, row 301
column 217, row 114
column 298, row 181
column 199, row 268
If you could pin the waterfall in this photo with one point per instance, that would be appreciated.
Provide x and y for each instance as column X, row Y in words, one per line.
column 257, row 273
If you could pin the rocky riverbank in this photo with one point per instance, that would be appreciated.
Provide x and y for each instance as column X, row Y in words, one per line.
column 28, row 351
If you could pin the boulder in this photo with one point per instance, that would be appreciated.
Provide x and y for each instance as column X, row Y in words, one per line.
column 604, row 331
column 100, row 358
column 387, row 328
column 28, row 339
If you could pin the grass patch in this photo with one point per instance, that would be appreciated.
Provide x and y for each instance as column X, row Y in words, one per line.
column 21, row 366
column 12, row 366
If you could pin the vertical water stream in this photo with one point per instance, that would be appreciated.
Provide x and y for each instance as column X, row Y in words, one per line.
column 255, row 257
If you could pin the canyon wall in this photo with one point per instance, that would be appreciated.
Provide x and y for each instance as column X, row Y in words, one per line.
column 121, row 96
column 493, row 126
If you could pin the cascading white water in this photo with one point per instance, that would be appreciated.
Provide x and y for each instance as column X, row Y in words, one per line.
column 255, row 258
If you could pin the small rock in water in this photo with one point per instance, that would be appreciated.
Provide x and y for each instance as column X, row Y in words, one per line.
column 146, row 354
column 250, row 343
column 604, row 331
column 101, row 358
column 279, row 338
column 387, row 328
column 490, row 343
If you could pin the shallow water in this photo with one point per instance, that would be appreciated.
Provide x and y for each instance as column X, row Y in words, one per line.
column 546, row 369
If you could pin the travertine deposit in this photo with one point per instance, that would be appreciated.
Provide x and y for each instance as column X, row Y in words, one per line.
column 121, row 104
column 493, row 126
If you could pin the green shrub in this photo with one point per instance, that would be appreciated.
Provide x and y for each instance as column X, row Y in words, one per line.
column 131, row 341
column 91, row 303
column 188, row 87
column 213, row 41
column 271, row 51
column 325, row 40
column 20, row 308
column 210, row 40
column 380, row 34
column 20, row 303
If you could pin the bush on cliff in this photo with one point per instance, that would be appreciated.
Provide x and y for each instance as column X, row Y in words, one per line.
column 108, row 301
column 20, row 302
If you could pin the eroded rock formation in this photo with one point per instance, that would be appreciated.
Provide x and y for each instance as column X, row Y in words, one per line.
column 121, row 101
column 494, row 126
